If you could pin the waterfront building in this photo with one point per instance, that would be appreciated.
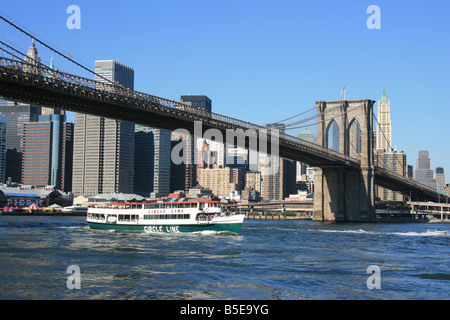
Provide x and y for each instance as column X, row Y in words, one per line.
column 220, row 180
column 152, row 162
column 47, row 152
column 384, row 125
column 439, row 176
column 423, row 174
column 103, row 147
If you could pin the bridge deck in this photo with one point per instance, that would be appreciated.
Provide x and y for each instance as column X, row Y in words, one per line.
column 69, row 92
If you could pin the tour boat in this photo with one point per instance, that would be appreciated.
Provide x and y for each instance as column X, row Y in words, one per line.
column 174, row 216
column 74, row 210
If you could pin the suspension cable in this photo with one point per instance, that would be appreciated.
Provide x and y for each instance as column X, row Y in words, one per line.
column 56, row 51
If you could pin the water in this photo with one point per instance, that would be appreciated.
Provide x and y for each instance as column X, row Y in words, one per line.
column 269, row 260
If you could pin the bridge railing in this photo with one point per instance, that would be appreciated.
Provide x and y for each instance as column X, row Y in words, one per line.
column 54, row 76
column 405, row 180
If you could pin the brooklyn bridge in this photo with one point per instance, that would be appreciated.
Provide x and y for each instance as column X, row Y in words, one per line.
column 345, row 180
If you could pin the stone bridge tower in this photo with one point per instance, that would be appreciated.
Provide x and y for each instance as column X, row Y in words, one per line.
column 343, row 194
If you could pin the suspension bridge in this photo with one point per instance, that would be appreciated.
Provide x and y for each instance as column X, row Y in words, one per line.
column 345, row 179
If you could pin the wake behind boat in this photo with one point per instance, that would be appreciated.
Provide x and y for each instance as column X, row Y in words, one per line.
column 174, row 216
column 436, row 232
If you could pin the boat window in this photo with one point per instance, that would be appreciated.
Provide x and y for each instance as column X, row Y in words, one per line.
column 165, row 216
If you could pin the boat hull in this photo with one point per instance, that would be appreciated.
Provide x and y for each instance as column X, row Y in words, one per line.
column 181, row 228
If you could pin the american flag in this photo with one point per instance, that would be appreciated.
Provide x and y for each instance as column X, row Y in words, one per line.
column 343, row 90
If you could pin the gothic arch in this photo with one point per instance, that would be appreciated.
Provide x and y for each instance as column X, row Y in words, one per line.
column 333, row 135
column 354, row 138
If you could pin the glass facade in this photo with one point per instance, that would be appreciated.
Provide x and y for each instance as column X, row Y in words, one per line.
column 152, row 162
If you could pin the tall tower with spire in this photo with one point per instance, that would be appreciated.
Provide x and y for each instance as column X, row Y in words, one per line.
column 384, row 126
column 32, row 59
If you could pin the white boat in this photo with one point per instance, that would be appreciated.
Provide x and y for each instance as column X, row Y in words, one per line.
column 171, row 217
column 74, row 210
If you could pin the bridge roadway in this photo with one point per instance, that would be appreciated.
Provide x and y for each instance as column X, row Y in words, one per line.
column 49, row 87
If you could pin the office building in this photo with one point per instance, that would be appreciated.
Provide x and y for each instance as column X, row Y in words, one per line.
column 47, row 152
column 237, row 158
column 278, row 177
column 253, row 181
column 16, row 114
column 384, row 125
column 103, row 147
column 152, row 162
column 439, row 176
column 183, row 175
column 423, row 174
column 195, row 150
column 395, row 162
column 220, row 180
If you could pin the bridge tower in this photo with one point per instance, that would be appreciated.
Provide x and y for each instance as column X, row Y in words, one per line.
column 343, row 194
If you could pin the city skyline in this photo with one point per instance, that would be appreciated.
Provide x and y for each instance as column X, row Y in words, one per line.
column 272, row 63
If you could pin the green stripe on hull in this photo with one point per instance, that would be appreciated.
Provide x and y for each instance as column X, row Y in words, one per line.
column 225, row 227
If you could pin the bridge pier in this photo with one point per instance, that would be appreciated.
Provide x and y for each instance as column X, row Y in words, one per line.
column 346, row 194
column 343, row 195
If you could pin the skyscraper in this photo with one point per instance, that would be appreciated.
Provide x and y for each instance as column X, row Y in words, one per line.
column 439, row 176
column 395, row 162
column 47, row 154
column 193, row 159
column 423, row 174
column 278, row 177
column 103, row 147
column 384, row 126
column 183, row 175
column 32, row 59
column 152, row 162
column 16, row 114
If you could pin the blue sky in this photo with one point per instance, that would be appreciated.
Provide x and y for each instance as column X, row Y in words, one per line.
column 263, row 61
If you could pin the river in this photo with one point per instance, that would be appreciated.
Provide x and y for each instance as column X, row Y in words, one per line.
column 269, row 260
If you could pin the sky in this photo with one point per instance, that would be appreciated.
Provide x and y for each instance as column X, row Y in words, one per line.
column 264, row 60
